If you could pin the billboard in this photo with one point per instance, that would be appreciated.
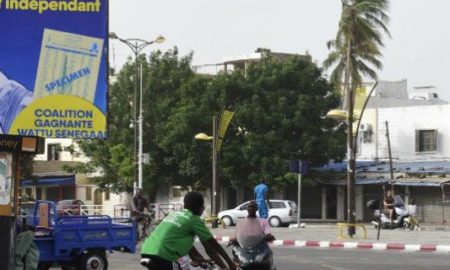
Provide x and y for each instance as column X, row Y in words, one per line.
column 53, row 68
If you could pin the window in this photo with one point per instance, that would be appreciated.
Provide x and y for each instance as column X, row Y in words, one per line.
column 243, row 207
column 277, row 204
column 88, row 193
column 107, row 195
column 53, row 152
column 426, row 140
column 178, row 191
column 39, row 194
column 29, row 191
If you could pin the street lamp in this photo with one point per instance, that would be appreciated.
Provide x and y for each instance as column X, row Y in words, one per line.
column 137, row 45
column 349, row 116
column 213, row 138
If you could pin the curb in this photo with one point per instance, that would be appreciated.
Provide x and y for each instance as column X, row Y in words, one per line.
column 353, row 245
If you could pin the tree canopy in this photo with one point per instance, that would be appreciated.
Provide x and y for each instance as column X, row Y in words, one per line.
column 279, row 115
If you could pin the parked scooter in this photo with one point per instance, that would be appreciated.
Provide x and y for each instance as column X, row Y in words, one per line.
column 381, row 219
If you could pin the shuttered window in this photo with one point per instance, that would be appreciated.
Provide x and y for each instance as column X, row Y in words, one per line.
column 426, row 140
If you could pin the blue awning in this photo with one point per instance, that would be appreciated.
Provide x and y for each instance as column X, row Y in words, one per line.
column 435, row 167
column 431, row 182
column 52, row 181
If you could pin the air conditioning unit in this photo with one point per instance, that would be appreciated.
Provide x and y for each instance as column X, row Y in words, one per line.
column 365, row 127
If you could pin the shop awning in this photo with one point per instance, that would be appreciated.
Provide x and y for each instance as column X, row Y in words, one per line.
column 53, row 181
column 411, row 182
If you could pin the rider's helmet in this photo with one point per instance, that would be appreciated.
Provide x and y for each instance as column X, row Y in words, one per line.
column 373, row 204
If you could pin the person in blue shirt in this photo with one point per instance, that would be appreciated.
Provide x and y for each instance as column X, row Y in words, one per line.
column 261, row 199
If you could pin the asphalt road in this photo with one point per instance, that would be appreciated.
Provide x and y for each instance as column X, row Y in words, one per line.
column 328, row 259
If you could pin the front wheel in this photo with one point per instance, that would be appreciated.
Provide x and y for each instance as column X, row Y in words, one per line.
column 227, row 221
column 94, row 260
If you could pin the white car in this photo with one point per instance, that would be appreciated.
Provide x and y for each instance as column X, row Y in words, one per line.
column 281, row 212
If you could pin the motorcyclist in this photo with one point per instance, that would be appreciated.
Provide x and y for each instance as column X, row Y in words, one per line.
column 252, row 228
column 388, row 204
column 250, row 248
column 139, row 203
column 174, row 238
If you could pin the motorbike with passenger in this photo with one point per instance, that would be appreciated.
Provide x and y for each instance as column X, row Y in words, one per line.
column 380, row 218
column 250, row 249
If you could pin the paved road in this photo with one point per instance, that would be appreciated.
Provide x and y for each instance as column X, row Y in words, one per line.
column 428, row 235
column 328, row 259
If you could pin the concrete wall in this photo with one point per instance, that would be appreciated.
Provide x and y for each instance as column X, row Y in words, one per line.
column 403, row 123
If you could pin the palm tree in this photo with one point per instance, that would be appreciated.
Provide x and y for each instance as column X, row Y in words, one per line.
column 354, row 51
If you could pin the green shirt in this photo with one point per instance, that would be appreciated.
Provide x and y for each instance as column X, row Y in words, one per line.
column 174, row 236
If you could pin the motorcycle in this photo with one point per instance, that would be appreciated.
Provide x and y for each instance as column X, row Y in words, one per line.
column 402, row 219
column 185, row 263
column 250, row 249
column 259, row 257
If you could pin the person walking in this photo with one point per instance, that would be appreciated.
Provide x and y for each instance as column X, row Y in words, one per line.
column 261, row 199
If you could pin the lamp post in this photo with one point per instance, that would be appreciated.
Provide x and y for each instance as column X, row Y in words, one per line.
column 137, row 45
column 351, row 146
column 213, row 138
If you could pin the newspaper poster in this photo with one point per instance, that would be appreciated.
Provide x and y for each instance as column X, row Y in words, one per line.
column 5, row 180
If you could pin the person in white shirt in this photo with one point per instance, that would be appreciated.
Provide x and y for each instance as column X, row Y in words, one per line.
column 14, row 97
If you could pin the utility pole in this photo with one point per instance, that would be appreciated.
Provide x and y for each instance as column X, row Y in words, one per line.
column 351, row 165
column 391, row 169
column 215, row 180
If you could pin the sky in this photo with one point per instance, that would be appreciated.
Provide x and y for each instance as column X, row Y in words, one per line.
column 214, row 30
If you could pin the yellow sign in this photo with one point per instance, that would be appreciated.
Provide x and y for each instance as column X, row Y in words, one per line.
column 60, row 116
column 225, row 120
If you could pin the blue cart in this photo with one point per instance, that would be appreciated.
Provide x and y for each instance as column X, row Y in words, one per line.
column 80, row 242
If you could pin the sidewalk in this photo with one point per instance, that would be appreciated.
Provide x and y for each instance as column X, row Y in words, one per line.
column 431, row 238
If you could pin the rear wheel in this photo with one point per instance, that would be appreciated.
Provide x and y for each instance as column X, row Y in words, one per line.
column 94, row 260
column 274, row 221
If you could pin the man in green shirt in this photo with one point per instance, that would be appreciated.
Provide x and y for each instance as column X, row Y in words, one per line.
column 174, row 238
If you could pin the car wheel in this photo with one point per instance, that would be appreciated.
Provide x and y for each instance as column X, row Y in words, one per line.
column 274, row 221
column 227, row 221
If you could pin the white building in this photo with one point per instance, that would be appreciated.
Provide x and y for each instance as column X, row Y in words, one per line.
column 419, row 141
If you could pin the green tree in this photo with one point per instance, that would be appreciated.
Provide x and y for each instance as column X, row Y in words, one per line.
column 358, row 41
column 279, row 115
column 280, row 109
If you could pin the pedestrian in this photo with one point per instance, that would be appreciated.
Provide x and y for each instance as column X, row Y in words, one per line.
column 261, row 199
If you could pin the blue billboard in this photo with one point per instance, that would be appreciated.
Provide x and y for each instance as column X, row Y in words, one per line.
column 53, row 68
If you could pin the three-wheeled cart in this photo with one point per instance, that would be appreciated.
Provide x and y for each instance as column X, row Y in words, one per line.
column 78, row 242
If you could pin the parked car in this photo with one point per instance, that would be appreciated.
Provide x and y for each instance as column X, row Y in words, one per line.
column 281, row 212
column 69, row 207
